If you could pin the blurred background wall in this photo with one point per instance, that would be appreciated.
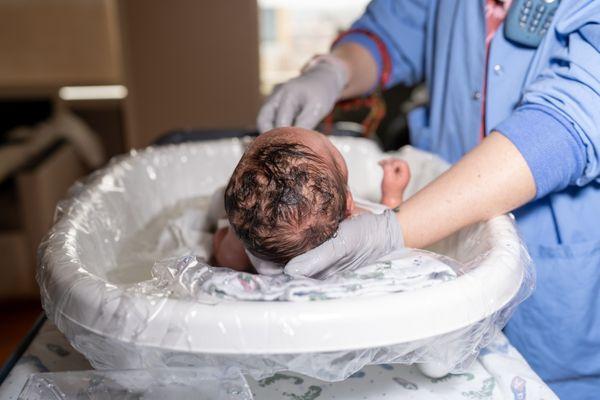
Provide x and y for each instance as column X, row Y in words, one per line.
column 189, row 64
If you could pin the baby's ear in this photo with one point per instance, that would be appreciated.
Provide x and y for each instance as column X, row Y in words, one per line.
column 350, row 206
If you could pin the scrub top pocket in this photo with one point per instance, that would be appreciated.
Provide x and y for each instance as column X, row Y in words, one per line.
column 558, row 328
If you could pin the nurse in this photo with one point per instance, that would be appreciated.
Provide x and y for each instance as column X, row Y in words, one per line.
column 521, row 123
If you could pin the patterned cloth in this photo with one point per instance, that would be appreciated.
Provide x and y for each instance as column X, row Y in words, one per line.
column 495, row 12
column 499, row 373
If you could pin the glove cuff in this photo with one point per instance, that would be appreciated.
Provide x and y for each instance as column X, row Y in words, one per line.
column 338, row 67
column 395, row 238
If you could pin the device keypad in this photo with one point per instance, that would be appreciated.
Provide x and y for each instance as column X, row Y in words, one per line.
column 530, row 20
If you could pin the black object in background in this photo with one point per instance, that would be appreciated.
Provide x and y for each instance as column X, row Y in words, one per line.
column 18, row 112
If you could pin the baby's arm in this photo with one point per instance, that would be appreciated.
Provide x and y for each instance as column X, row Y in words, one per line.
column 228, row 251
column 396, row 175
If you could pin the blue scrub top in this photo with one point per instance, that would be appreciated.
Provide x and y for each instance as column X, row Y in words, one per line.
column 547, row 102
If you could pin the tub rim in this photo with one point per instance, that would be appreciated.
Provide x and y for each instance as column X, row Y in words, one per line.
column 280, row 327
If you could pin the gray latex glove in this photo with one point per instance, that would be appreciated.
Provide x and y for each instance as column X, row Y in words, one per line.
column 305, row 100
column 359, row 241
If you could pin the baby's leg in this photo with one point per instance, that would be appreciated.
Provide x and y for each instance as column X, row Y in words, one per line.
column 396, row 175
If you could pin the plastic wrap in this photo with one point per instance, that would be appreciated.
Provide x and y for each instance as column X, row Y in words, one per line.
column 126, row 298
column 172, row 383
column 191, row 278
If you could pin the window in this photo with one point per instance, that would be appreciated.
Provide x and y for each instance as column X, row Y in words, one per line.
column 293, row 31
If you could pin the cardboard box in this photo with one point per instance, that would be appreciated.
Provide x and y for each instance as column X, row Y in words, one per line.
column 189, row 64
column 16, row 266
column 38, row 190
column 41, row 187
column 59, row 42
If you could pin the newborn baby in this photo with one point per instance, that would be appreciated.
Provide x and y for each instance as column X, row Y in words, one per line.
column 288, row 195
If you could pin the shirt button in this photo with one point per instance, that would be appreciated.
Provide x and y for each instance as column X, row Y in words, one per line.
column 476, row 95
column 498, row 69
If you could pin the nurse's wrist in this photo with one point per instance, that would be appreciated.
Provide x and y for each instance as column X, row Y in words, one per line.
column 362, row 67
column 365, row 42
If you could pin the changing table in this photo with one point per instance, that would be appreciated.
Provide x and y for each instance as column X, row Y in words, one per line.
column 499, row 373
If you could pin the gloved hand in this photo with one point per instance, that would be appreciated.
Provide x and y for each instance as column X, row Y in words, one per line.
column 305, row 100
column 359, row 241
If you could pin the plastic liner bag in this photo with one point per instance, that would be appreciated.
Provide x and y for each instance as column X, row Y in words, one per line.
column 128, row 298
column 191, row 278
column 159, row 384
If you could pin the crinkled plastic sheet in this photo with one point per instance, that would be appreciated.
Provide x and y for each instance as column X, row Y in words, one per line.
column 138, row 312
column 191, row 278
column 150, row 384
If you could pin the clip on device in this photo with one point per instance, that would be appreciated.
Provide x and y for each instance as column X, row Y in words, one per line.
column 528, row 21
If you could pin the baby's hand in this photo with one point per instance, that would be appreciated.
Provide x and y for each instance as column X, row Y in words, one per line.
column 396, row 175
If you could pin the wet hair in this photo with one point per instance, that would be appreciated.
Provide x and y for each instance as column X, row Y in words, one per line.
column 283, row 200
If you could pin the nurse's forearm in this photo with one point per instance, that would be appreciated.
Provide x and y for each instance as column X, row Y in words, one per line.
column 490, row 180
column 362, row 69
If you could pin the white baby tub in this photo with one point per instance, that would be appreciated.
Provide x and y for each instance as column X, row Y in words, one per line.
column 116, row 327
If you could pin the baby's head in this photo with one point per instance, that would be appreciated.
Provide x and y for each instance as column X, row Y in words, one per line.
column 288, row 193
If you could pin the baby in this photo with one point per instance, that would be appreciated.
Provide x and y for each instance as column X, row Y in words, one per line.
column 288, row 195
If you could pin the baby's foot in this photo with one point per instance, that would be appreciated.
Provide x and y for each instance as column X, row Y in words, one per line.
column 396, row 175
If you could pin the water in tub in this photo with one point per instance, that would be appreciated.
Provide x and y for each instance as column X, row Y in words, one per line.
column 177, row 231
column 183, row 233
